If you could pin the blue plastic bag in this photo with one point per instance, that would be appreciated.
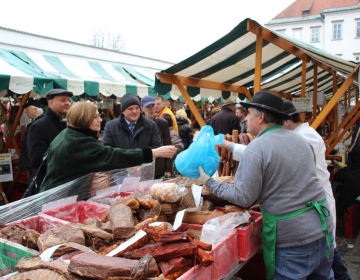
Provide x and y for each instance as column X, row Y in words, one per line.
column 200, row 153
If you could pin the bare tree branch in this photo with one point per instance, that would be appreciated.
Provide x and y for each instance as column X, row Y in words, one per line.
column 107, row 40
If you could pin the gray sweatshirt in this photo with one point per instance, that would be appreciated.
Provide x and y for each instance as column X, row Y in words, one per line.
column 278, row 169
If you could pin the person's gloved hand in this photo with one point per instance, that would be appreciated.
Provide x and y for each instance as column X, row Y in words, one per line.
column 203, row 176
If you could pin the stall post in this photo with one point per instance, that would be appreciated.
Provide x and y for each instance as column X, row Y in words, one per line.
column 315, row 89
column 258, row 59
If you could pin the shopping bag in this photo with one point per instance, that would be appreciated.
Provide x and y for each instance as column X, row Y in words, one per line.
column 200, row 153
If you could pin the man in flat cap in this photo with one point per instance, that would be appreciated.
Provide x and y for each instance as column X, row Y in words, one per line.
column 131, row 130
column 163, row 166
column 226, row 121
column 278, row 170
column 43, row 131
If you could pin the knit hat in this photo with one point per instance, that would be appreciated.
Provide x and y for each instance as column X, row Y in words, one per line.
column 182, row 114
column 128, row 100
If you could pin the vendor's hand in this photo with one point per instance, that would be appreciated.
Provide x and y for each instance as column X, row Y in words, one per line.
column 225, row 144
column 203, row 176
column 164, row 152
column 167, row 174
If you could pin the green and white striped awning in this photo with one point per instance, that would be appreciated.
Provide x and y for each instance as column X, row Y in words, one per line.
column 21, row 72
column 231, row 61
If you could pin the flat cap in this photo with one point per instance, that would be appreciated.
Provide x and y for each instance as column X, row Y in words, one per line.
column 58, row 91
column 32, row 102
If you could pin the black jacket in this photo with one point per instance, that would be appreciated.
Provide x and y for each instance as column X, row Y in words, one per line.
column 118, row 135
column 225, row 122
column 41, row 134
column 185, row 132
column 24, row 161
column 163, row 165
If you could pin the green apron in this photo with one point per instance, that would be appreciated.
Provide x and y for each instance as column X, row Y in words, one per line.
column 270, row 223
column 269, row 232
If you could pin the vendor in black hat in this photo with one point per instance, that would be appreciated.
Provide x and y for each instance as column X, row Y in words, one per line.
column 43, row 131
column 278, row 170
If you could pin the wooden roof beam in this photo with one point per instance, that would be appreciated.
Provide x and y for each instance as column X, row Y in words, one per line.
column 269, row 36
column 201, row 83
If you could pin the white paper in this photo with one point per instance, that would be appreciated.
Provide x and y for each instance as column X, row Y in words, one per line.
column 46, row 255
column 130, row 183
column 6, row 172
column 59, row 203
column 303, row 104
column 196, row 192
column 140, row 234
column 178, row 219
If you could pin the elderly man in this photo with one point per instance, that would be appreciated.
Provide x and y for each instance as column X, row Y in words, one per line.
column 163, row 166
column 226, row 121
column 241, row 113
column 131, row 130
column 43, row 131
column 161, row 109
column 297, row 231
column 34, row 112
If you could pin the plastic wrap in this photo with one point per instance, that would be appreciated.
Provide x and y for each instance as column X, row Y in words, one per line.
column 218, row 228
column 80, row 187
column 78, row 212
column 167, row 192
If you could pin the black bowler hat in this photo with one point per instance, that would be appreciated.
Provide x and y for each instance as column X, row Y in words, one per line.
column 58, row 91
column 290, row 109
column 32, row 102
column 267, row 101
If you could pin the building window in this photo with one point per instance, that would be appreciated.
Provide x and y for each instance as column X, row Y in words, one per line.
column 357, row 29
column 306, row 12
column 315, row 35
column 297, row 34
column 339, row 54
column 357, row 56
column 337, row 30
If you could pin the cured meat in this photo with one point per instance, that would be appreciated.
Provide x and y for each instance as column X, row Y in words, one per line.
column 35, row 262
column 232, row 208
column 207, row 206
column 195, row 233
column 92, row 222
column 170, row 237
column 163, row 252
column 7, row 271
column 200, row 217
column 38, row 274
column 146, row 222
column 102, row 267
column 204, row 258
column 203, row 245
column 172, row 265
column 145, row 201
column 59, row 235
column 121, row 221
column 149, row 213
column 138, row 244
column 130, row 201
column 95, row 232
column 106, row 226
column 176, row 274
column 20, row 234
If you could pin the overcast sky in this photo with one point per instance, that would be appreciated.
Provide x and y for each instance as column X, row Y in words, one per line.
column 163, row 29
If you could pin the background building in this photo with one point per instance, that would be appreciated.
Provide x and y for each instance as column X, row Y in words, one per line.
column 331, row 25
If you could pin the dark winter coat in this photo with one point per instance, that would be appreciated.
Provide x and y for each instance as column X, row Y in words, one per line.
column 163, row 165
column 118, row 135
column 185, row 132
column 24, row 161
column 41, row 134
column 225, row 122
column 77, row 152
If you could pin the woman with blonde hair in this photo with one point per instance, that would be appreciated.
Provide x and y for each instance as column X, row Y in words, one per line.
column 76, row 151
column 185, row 132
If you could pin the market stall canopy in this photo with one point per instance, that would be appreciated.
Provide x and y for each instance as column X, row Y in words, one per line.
column 229, row 65
column 22, row 72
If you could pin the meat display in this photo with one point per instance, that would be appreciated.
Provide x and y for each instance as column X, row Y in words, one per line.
column 121, row 221
column 59, row 235
column 19, row 234
column 101, row 267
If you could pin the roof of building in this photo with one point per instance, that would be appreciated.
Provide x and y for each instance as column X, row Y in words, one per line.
column 342, row 9
column 302, row 8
